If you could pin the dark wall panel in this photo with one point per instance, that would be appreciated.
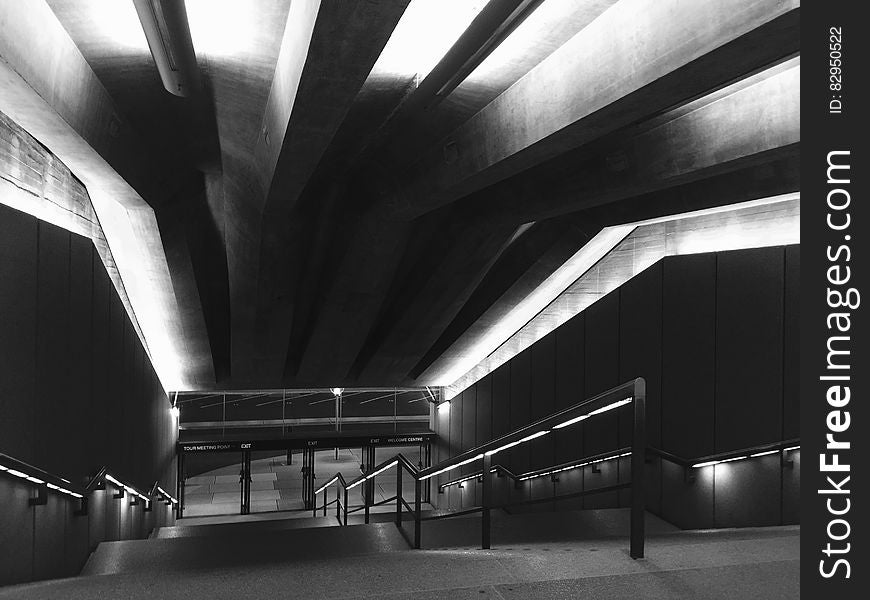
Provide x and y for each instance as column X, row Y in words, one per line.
column 501, row 400
column 570, row 384
column 75, row 410
column 483, row 420
column 18, row 253
column 748, row 492
column 749, row 311
column 52, row 344
column 77, row 391
column 687, row 503
column 543, row 400
column 699, row 329
column 98, row 424
column 791, row 344
column 521, row 392
column 640, row 344
column 469, row 418
column 16, row 532
column 688, row 354
column 602, row 370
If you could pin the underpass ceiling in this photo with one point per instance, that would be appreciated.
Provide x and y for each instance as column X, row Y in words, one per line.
column 333, row 286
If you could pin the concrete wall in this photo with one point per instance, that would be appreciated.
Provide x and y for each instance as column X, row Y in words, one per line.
column 714, row 335
column 77, row 391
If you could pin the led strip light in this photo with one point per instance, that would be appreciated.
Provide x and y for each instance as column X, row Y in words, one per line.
column 166, row 495
column 370, row 475
column 326, row 485
column 38, row 481
column 711, row 463
column 129, row 489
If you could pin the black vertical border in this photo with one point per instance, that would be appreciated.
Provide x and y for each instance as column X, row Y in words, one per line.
column 822, row 133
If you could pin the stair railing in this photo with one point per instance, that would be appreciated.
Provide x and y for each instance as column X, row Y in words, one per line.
column 632, row 392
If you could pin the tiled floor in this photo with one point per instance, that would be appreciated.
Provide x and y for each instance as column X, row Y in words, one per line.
column 277, row 486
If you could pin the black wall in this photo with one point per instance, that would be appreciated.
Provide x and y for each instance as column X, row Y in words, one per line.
column 77, row 392
column 715, row 337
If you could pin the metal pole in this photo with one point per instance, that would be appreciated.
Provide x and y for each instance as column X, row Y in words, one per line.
column 638, row 456
column 325, row 500
column 345, row 506
column 399, row 494
column 337, row 416
column 337, row 504
column 179, row 482
column 417, row 513
column 485, row 500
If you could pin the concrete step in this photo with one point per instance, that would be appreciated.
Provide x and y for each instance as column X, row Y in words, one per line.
column 256, row 527
column 183, row 548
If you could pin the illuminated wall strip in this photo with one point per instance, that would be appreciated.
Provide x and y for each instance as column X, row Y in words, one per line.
column 711, row 463
column 569, row 467
column 764, row 222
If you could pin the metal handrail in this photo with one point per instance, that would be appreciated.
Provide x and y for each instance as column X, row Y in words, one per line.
column 44, row 480
column 620, row 392
column 620, row 395
column 730, row 455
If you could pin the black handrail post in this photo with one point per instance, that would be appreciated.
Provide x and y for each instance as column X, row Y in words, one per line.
column 638, row 458
column 325, row 501
column 416, row 513
column 337, row 505
column 179, row 483
column 345, row 506
column 366, row 498
column 485, row 501
column 398, row 493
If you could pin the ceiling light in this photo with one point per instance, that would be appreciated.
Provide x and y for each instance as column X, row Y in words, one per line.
column 424, row 34
column 224, row 28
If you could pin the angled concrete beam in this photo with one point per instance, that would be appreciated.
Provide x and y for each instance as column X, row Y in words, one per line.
column 421, row 314
column 637, row 58
column 327, row 52
column 721, row 132
column 48, row 88
column 493, row 300
column 353, row 300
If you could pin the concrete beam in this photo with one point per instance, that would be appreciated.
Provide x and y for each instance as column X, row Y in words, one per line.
column 47, row 87
column 636, row 59
column 327, row 52
column 420, row 313
column 717, row 133
column 496, row 297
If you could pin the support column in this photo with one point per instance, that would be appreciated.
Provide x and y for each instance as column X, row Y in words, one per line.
column 398, row 494
column 486, row 501
column 245, row 480
column 179, row 484
column 638, row 459
column 417, row 514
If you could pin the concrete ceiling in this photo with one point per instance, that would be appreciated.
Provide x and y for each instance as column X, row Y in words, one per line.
column 328, row 218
